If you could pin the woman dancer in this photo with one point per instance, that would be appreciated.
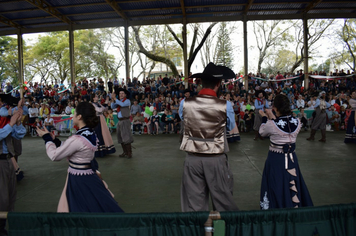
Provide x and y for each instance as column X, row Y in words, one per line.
column 282, row 182
column 350, row 136
column 106, row 144
column 84, row 191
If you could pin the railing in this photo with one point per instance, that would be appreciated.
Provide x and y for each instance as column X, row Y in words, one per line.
column 324, row 221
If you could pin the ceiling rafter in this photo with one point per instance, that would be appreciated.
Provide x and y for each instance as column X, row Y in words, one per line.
column 116, row 7
column 44, row 6
column 8, row 22
column 248, row 6
column 311, row 5
column 182, row 5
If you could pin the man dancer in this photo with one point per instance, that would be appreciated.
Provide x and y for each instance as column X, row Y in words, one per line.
column 10, row 128
column 319, row 121
column 206, row 169
column 260, row 104
column 123, row 128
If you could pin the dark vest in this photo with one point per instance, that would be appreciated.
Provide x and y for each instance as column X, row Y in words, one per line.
column 9, row 144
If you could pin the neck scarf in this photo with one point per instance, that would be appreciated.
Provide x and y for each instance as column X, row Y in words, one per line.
column 119, row 107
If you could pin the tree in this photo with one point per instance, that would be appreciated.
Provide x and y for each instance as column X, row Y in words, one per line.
column 316, row 31
column 164, row 51
column 269, row 34
column 9, row 68
column 347, row 35
column 281, row 61
column 224, row 48
column 193, row 51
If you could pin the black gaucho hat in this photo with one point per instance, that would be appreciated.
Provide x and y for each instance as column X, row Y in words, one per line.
column 9, row 100
column 126, row 92
column 214, row 72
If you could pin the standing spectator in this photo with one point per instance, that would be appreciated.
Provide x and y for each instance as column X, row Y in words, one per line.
column 135, row 108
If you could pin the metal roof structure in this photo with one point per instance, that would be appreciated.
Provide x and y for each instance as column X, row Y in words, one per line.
column 34, row 16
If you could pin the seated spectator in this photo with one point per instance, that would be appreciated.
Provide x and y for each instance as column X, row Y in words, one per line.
column 135, row 108
column 49, row 122
column 300, row 102
column 169, row 121
column 303, row 118
column 137, row 122
column 333, row 117
column 154, row 123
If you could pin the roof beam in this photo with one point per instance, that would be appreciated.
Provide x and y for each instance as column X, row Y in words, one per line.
column 183, row 7
column 44, row 6
column 248, row 6
column 311, row 5
column 8, row 22
column 130, row 1
column 116, row 7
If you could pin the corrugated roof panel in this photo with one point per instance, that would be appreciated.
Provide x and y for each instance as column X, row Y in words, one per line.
column 323, row 11
column 56, row 3
column 213, row 2
column 152, row 18
column 46, row 25
column 94, row 16
column 38, row 21
column 227, row 14
column 251, row 13
column 86, row 9
column 277, row 6
column 155, row 12
column 27, row 14
column 336, row 5
column 214, row 9
column 148, row 5
column 279, row 1
column 15, row 5
column 98, row 21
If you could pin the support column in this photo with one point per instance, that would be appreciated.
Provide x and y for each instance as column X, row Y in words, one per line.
column 245, row 53
column 185, row 52
column 127, row 58
column 71, row 57
column 306, row 51
column 20, row 60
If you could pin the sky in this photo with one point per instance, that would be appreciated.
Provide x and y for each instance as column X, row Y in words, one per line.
column 324, row 47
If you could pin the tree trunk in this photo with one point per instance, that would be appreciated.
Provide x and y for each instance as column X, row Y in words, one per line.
column 152, row 56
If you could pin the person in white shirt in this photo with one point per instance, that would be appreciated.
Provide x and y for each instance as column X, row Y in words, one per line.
column 300, row 102
column 33, row 113
column 49, row 122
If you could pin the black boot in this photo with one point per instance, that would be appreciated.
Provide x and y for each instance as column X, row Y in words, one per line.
column 312, row 134
column 128, row 150
column 3, row 231
column 124, row 154
column 323, row 136
column 257, row 135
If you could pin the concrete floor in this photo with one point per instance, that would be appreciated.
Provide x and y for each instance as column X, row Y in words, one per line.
column 150, row 182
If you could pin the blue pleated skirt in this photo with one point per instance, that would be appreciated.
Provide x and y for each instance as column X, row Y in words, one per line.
column 87, row 193
column 281, row 187
column 350, row 136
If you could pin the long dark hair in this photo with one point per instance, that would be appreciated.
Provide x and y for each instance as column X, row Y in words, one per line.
column 281, row 102
column 88, row 113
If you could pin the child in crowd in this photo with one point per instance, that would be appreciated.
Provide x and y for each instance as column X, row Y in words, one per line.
column 154, row 123
column 170, row 121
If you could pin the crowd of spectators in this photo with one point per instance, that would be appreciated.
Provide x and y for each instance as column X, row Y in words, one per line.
column 155, row 101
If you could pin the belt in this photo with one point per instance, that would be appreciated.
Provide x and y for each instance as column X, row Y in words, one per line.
column 4, row 156
column 124, row 118
column 287, row 149
column 80, row 166
column 205, row 155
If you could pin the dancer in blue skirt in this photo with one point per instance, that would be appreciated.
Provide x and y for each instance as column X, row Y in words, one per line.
column 84, row 190
column 350, row 136
column 282, row 182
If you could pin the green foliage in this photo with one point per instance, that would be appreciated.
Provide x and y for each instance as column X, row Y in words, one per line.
column 8, row 59
column 224, row 55
column 282, row 61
